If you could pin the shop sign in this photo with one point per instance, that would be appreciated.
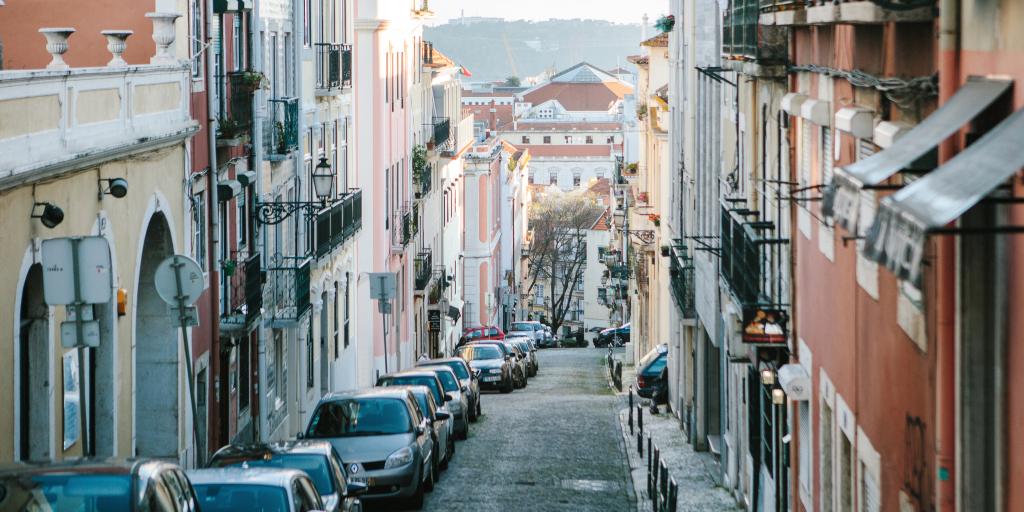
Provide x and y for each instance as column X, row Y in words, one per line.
column 434, row 319
column 765, row 326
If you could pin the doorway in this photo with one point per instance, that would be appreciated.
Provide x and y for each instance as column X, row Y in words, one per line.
column 156, row 354
column 325, row 317
column 33, row 370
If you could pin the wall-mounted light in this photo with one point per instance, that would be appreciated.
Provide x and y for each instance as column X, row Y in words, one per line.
column 767, row 377
column 323, row 180
column 51, row 216
column 778, row 396
column 117, row 187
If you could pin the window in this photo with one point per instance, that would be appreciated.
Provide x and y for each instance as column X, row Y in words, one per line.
column 337, row 319
column 309, row 357
column 243, row 373
column 846, row 466
column 805, row 458
column 568, row 139
column 346, row 311
column 827, row 156
column 575, row 180
column 611, row 139
column 526, row 139
column 199, row 228
column 538, row 298
column 238, row 41
column 547, row 139
column 590, row 139
column 531, row 178
column 196, row 36
column 825, row 445
column 242, row 219
column 307, row 23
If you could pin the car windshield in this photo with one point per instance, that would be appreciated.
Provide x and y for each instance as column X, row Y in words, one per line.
column 479, row 352
column 449, row 381
column 415, row 380
column 360, row 417
column 651, row 356
column 231, row 497
column 313, row 464
column 77, row 492
column 656, row 367
column 523, row 326
column 493, row 331
column 523, row 346
column 457, row 367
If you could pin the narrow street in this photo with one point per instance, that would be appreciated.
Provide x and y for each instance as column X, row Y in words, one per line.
column 554, row 445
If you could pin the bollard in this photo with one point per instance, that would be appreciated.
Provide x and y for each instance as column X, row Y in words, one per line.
column 652, row 487
column 663, row 487
column 640, row 417
column 630, row 411
column 650, row 468
column 640, row 444
column 673, row 495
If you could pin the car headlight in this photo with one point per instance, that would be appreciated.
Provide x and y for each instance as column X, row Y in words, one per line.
column 494, row 371
column 399, row 458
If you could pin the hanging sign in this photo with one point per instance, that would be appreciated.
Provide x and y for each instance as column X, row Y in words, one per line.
column 765, row 326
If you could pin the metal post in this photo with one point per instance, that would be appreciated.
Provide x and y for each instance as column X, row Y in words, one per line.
column 83, row 396
column 182, row 318
column 663, row 487
column 640, row 417
column 631, row 410
column 673, row 495
column 650, row 461
column 640, row 444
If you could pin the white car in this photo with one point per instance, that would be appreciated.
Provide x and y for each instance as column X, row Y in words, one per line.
column 531, row 328
column 244, row 488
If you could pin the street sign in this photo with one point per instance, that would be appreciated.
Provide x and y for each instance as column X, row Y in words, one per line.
column 167, row 277
column 383, row 285
column 90, row 334
column 92, row 272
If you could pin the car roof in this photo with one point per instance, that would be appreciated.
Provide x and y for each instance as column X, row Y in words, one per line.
column 258, row 450
column 440, row 368
column 376, row 392
column 411, row 373
column 86, row 466
column 242, row 475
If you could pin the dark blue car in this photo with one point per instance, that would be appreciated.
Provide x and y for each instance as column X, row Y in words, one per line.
column 651, row 374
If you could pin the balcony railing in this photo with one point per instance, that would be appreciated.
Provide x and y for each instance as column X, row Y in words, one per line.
column 743, row 38
column 333, row 66
column 340, row 223
column 783, row 5
column 287, row 289
column 422, row 179
column 681, row 271
column 442, row 131
column 428, row 52
column 281, row 133
column 747, row 257
column 424, row 269
column 245, row 288
column 238, row 118
column 405, row 227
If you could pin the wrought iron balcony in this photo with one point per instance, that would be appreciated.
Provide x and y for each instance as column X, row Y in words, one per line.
column 743, row 38
column 746, row 256
column 404, row 227
column 236, row 121
column 281, row 132
column 339, row 223
column 423, row 268
column 244, row 276
column 442, row 132
column 287, row 289
column 423, row 179
column 681, row 271
column 783, row 5
column 333, row 67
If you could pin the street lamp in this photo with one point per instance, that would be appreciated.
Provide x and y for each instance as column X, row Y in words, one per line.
column 323, row 180
column 276, row 212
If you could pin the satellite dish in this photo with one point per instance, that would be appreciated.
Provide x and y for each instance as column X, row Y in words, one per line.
column 191, row 278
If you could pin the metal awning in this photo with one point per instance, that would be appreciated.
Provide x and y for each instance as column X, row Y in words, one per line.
column 896, row 239
column 842, row 197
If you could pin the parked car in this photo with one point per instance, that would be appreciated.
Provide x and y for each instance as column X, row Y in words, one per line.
column 616, row 336
column 516, row 357
column 440, row 422
column 490, row 332
column 651, row 372
column 466, row 376
column 525, row 345
column 491, row 365
column 94, row 486
column 317, row 458
column 458, row 407
column 423, row 377
column 383, row 439
column 238, row 489
column 531, row 328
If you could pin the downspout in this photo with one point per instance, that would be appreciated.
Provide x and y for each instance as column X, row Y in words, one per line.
column 256, row 61
column 945, row 283
column 211, row 132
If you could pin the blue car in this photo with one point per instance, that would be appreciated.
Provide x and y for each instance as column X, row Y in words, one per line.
column 616, row 336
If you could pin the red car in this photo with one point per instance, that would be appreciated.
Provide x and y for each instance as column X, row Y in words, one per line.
column 482, row 333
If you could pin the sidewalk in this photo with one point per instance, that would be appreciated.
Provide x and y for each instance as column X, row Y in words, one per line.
column 692, row 471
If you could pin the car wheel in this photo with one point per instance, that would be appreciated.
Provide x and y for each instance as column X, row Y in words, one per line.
column 416, row 501
column 432, row 475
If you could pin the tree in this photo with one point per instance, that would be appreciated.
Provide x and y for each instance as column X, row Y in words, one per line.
column 513, row 81
column 558, row 254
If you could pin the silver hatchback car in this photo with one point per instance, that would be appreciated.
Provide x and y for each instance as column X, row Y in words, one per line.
column 383, row 438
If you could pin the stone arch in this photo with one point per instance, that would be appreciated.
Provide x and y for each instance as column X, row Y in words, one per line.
column 155, row 372
column 33, row 382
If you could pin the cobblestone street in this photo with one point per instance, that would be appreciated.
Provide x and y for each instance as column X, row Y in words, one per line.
column 555, row 445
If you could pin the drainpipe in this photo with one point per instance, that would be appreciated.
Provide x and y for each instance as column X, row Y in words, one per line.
column 211, row 132
column 256, row 29
column 945, row 283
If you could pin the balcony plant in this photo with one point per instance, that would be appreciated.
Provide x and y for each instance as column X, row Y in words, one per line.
column 665, row 23
column 229, row 128
column 252, row 80
column 419, row 162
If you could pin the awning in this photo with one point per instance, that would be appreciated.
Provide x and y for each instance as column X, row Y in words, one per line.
column 228, row 190
column 896, row 239
column 842, row 197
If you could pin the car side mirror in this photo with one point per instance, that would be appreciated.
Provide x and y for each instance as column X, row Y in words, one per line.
column 465, row 389
column 441, row 416
column 356, row 489
column 419, row 430
column 448, row 397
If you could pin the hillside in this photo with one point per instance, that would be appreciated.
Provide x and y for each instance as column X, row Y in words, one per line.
column 534, row 46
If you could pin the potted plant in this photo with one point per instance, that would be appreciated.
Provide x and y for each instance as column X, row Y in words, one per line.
column 279, row 130
column 251, row 80
column 665, row 23
column 664, row 249
column 419, row 163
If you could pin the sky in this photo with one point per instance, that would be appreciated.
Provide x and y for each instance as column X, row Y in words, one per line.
column 611, row 10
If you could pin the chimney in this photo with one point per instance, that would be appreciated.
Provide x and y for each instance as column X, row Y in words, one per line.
column 494, row 116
